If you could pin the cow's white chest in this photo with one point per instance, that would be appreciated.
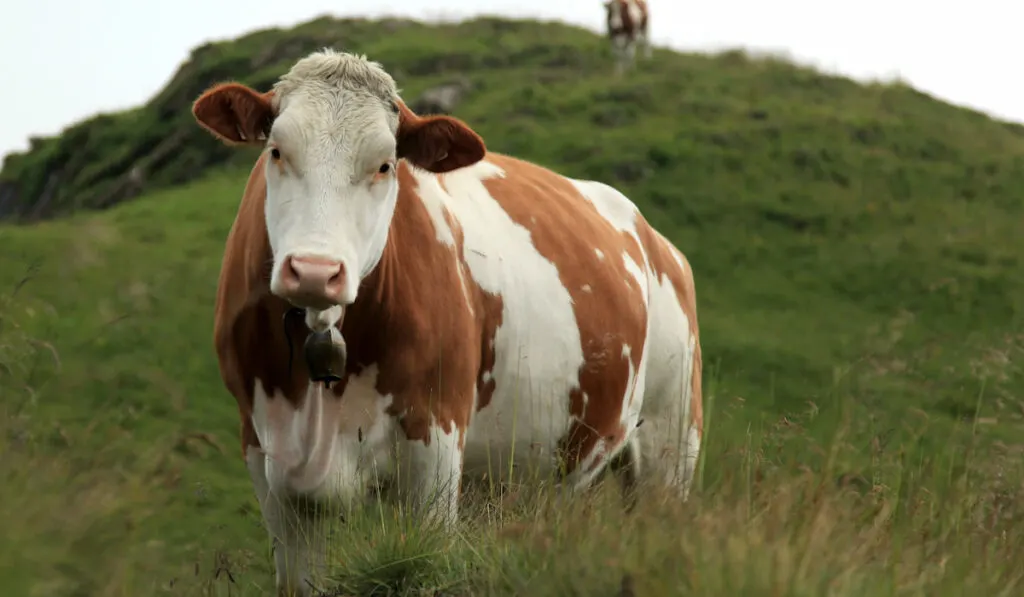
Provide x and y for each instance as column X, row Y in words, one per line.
column 328, row 447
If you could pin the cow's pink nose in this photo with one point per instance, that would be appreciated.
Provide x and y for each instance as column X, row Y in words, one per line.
column 312, row 281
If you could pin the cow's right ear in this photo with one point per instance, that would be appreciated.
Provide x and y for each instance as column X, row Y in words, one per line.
column 439, row 143
column 235, row 113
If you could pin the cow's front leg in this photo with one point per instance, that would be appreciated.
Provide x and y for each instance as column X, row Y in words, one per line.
column 293, row 529
column 432, row 463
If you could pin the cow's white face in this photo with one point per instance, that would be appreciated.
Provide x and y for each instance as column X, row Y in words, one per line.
column 334, row 129
column 331, row 191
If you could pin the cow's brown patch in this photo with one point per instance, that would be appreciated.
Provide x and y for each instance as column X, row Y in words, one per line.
column 429, row 366
column 490, row 316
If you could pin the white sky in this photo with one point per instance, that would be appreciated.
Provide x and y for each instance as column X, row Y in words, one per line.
column 64, row 60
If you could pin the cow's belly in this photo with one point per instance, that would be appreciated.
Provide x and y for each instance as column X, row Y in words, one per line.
column 537, row 359
column 538, row 356
column 521, row 425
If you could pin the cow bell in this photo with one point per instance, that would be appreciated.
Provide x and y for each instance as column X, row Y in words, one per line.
column 325, row 354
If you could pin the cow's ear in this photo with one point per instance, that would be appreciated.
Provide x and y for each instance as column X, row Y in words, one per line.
column 235, row 113
column 437, row 143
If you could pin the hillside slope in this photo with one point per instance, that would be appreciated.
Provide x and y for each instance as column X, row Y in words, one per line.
column 856, row 249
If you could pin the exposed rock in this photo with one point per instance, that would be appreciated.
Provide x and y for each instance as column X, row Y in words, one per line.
column 442, row 99
column 9, row 200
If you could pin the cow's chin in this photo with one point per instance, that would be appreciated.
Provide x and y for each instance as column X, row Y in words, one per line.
column 319, row 320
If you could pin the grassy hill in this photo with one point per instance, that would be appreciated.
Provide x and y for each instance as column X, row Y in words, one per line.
column 859, row 276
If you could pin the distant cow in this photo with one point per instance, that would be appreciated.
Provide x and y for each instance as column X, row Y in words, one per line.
column 627, row 28
column 469, row 307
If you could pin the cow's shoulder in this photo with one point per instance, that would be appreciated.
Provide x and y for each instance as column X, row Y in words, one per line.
column 419, row 293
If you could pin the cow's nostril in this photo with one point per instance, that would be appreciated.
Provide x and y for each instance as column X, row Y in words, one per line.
column 336, row 282
column 288, row 273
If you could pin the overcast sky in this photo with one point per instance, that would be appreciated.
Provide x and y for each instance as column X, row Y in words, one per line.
column 64, row 60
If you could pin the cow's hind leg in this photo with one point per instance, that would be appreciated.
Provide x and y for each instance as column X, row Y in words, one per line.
column 292, row 526
column 644, row 41
column 626, row 466
column 671, row 442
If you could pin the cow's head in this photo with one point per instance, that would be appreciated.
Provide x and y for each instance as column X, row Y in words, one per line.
column 333, row 128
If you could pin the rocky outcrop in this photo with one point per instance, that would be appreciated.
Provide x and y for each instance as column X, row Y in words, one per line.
column 442, row 99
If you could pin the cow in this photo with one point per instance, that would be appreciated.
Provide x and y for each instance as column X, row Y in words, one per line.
column 626, row 21
column 465, row 312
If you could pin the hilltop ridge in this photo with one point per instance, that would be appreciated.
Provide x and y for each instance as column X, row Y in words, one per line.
column 524, row 80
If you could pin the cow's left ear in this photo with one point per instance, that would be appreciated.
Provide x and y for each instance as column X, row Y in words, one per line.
column 437, row 143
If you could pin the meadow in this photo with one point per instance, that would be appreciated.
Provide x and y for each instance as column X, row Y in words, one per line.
column 858, row 264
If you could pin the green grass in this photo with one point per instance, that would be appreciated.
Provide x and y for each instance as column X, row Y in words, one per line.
column 858, row 269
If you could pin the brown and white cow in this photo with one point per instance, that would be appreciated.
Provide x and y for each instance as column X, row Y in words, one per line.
column 627, row 28
column 490, row 309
